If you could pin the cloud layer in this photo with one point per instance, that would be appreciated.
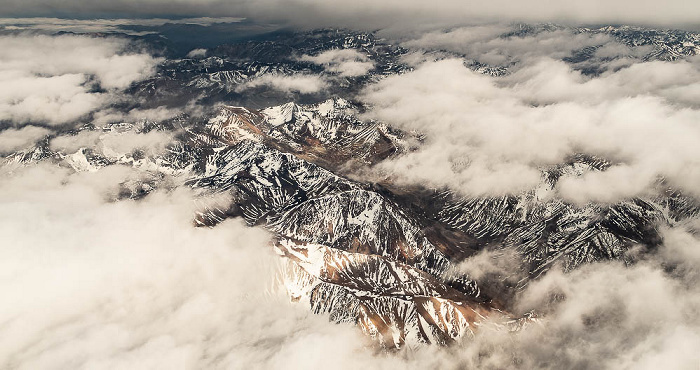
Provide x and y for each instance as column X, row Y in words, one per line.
column 133, row 284
column 95, row 283
column 55, row 80
column 15, row 139
column 372, row 14
column 601, row 316
column 103, row 25
column 301, row 83
column 344, row 62
column 493, row 135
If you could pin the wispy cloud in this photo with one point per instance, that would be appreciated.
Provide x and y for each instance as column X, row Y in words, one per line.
column 344, row 62
column 15, row 139
column 301, row 83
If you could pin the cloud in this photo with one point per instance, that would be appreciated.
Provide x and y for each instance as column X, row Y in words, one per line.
column 344, row 62
column 197, row 53
column 98, row 283
column 493, row 135
column 59, row 79
column 104, row 58
column 485, row 45
column 91, row 283
column 133, row 284
column 15, row 139
column 72, row 143
column 305, row 84
column 372, row 14
column 152, row 143
column 53, row 100
column 607, row 307
column 124, row 26
column 598, row 316
column 113, row 145
column 94, row 283
column 106, row 116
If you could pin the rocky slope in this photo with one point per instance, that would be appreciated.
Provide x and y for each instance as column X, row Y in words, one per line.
column 385, row 257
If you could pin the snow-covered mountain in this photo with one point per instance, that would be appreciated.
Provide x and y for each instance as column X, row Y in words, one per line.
column 384, row 256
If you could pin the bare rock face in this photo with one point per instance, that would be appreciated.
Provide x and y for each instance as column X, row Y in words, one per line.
column 353, row 252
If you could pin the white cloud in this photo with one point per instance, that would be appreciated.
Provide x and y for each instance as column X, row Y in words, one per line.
column 113, row 144
column 104, row 117
column 484, row 44
column 134, row 284
column 305, row 84
column 53, row 100
column 606, row 306
column 15, row 139
column 492, row 136
column 104, row 58
column 344, row 62
column 97, row 283
column 94, row 283
column 50, row 79
column 118, row 144
column 72, row 143
column 197, row 53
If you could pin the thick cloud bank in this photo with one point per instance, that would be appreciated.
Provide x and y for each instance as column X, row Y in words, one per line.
column 94, row 283
column 56, row 80
column 368, row 13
